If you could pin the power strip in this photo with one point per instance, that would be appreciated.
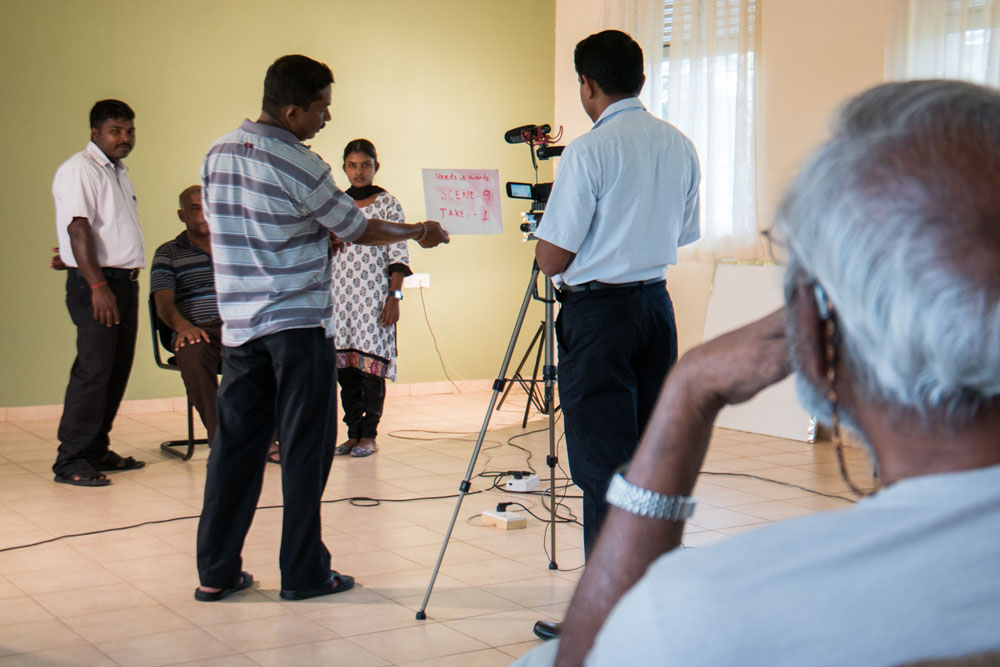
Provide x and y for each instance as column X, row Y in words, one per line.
column 505, row 520
column 523, row 484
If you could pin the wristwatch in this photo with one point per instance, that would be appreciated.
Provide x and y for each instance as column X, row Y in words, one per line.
column 637, row 500
column 396, row 294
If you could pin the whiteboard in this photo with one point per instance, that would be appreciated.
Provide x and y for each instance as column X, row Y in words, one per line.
column 740, row 295
column 464, row 201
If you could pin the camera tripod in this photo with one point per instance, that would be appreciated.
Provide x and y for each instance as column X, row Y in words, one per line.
column 547, row 406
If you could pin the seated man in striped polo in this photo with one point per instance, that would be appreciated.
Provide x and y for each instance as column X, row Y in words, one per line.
column 183, row 287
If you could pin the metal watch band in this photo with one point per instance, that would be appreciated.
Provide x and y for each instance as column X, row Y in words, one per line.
column 637, row 500
column 396, row 294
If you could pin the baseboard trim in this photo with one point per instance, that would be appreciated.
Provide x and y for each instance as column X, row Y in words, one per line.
column 179, row 403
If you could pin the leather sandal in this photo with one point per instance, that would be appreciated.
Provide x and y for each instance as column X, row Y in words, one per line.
column 83, row 479
column 337, row 583
column 113, row 461
column 245, row 582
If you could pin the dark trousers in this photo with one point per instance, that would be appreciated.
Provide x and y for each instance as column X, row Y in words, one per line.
column 362, row 395
column 615, row 349
column 286, row 382
column 199, row 364
column 99, row 374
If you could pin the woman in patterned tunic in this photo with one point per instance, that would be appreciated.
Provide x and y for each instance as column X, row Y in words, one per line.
column 367, row 288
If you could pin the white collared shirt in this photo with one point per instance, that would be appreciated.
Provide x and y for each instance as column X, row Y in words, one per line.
column 624, row 199
column 89, row 185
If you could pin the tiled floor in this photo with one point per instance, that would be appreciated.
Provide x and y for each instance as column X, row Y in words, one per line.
column 125, row 597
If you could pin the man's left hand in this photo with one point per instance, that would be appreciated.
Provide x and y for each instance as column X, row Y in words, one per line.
column 56, row 262
column 337, row 246
column 190, row 335
column 390, row 312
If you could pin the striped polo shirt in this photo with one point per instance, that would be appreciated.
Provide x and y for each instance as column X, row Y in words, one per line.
column 186, row 270
column 270, row 202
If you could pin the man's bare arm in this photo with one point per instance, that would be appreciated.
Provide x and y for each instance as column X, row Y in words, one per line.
column 81, row 240
column 380, row 232
column 730, row 369
column 551, row 258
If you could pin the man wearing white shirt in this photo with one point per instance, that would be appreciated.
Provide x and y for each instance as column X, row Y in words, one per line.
column 624, row 199
column 101, row 244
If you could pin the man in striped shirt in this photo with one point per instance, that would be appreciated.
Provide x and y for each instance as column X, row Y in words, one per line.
column 273, row 206
column 183, row 287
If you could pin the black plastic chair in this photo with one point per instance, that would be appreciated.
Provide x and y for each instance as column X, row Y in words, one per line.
column 161, row 336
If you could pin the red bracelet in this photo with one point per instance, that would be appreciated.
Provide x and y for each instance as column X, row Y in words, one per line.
column 105, row 282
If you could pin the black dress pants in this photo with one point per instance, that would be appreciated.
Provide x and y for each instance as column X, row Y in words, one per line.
column 363, row 396
column 99, row 374
column 286, row 380
column 615, row 349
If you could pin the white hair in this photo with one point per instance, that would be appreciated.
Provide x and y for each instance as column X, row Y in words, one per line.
column 897, row 216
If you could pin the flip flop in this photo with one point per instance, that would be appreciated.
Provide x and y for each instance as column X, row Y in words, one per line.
column 345, row 448
column 113, row 461
column 337, row 583
column 246, row 581
column 365, row 449
column 84, row 479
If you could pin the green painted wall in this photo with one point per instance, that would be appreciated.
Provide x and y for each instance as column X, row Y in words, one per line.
column 434, row 83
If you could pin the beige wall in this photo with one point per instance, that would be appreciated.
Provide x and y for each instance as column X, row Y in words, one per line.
column 814, row 54
column 434, row 83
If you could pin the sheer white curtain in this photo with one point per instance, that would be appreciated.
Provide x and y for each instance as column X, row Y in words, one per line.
column 701, row 76
column 955, row 39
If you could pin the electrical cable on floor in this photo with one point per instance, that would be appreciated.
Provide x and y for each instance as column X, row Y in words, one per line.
column 357, row 501
column 774, row 481
column 565, row 483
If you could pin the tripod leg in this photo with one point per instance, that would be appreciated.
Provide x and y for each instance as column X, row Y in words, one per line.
column 549, row 376
column 535, row 397
column 517, row 377
column 463, row 488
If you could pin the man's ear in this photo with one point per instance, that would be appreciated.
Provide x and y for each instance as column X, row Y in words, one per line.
column 180, row 215
column 94, row 132
column 811, row 336
column 289, row 113
column 588, row 86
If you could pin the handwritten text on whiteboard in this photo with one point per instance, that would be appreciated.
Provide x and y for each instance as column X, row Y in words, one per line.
column 465, row 201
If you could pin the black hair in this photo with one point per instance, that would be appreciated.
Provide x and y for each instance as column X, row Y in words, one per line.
column 108, row 110
column 361, row 146
column 295, row 79
column 613, row 60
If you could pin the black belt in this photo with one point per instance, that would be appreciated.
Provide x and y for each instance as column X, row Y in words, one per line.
column 595, row 285
column 110, row 273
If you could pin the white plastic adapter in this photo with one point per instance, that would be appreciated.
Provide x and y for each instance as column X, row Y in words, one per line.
column 529, row 483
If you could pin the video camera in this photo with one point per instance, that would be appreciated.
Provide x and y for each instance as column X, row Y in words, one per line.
column 538, row 193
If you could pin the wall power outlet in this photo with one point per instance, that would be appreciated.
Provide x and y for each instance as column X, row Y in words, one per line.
column 417, row 280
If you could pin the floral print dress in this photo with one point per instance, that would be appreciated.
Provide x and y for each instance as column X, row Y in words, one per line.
column 360, row 287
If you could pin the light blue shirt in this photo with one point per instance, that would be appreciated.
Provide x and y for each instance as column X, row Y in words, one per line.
column 908, row 574
column 624, row 199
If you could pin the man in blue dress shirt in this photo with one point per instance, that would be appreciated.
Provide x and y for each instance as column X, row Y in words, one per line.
column 625, row 198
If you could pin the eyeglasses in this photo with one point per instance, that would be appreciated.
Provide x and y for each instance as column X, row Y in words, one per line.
column 776, row 248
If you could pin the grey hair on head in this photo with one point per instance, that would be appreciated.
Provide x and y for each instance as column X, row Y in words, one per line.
column 897, row 215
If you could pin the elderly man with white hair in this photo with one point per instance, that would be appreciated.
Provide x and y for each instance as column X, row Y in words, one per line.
column 892, row 323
